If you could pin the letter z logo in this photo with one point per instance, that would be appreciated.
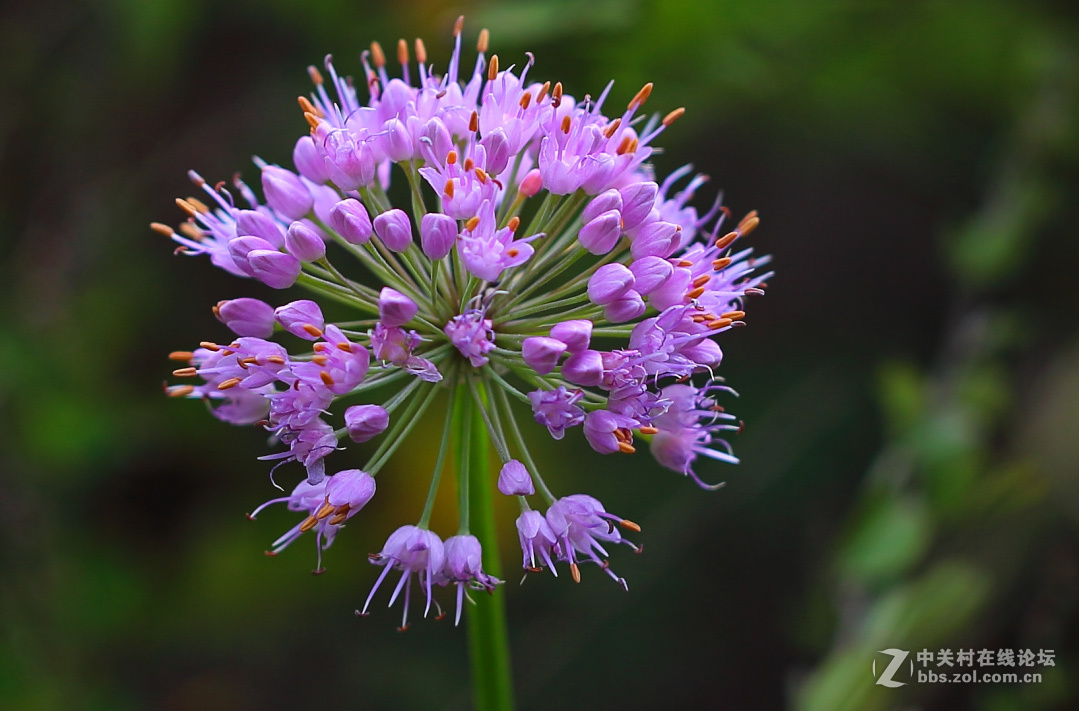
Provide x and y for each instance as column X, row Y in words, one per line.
column 885, row 678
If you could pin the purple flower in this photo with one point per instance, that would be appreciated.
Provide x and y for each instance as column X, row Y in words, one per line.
column 350, row 219
column 394, row 308
column 301, row 318
column 285, row 192
column 438, row 233
column 557, row 409
column 541, row 353
column 579, row 524
column 246, row 317
column 365, row 422
column 412, row 550
column 394, row 229
column 471, row 333
column 463, row 566
column 514, row 480
column 537, row 539
column 486, row 251
column 305, row 241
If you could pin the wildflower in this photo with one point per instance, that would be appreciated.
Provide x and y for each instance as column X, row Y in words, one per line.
column 538, row 260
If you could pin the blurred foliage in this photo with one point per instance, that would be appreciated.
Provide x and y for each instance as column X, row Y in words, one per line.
column 910, row 385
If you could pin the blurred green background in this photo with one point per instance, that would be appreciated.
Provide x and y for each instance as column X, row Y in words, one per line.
column 910, row 384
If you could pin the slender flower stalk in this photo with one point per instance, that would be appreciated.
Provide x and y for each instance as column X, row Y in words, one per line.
column 537, row 263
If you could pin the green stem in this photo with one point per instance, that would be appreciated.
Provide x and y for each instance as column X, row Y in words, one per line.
column 488, row 643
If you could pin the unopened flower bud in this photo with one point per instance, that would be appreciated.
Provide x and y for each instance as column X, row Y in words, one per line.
column 295, row 316
column 366, row 422
column 514, row 480
column 605, row 201
column 498, row 151
column 394, row 229
column 396, row 141
column 394, row 308
column 350, row 219
column 304, row 241
column 438, row 232
column 252, row 223
column 650, row 273
column 637, row 201
column 285, row 192
column 600, row 235
column 658, row 239
column 584, row 368
column 309, row 162
column 274, row 269
column 542, row 353
column 241, row 247
column 627, row 308
column 246, row 317
column 576, row 334
column 609, row 283
column 531, row 184
column 435, row 142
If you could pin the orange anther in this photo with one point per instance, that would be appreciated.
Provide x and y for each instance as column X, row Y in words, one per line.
column 626, row 523
column 566, row 123
column 402, row 51
column 378, row 58
column 471, row 223
column 725, row 240
column 474, row 122
column 181, row 355
column 748, row 224
column 185, row 372
column 648, row 429
column 718, row 264
column 702, row 280
column 480, row 175
column 640, row 97
column 612, row 127
column 451, row 157
column 312, row 330
column 719, row 323
column 448, row 191
column 526, row 100
column 345, row 346
column 734, row 315
column 162, row 229
column 626, row 448
column 575, row 572
column 483, row 40
column 673, row 116
column 325, row 378
column 227, row 384
column 421, row 51
column 514, row 223
column 458, row 25
column 320, row 360
column 308, row 523
column 315, row 75
column 695, row 293
column 180, row 390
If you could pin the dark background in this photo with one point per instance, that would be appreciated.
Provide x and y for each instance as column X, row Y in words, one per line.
column 910, row 383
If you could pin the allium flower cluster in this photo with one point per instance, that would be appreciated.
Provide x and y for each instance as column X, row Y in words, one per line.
column 538, row 268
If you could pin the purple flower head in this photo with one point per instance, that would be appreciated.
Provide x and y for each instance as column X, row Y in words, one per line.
column 471, row 334
column 514, row 480
column 552, row 259
column 412, row 550
column 464, row 566
column 246, row 317
column 366, row 422
column 301, row 318
column 557, row 409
